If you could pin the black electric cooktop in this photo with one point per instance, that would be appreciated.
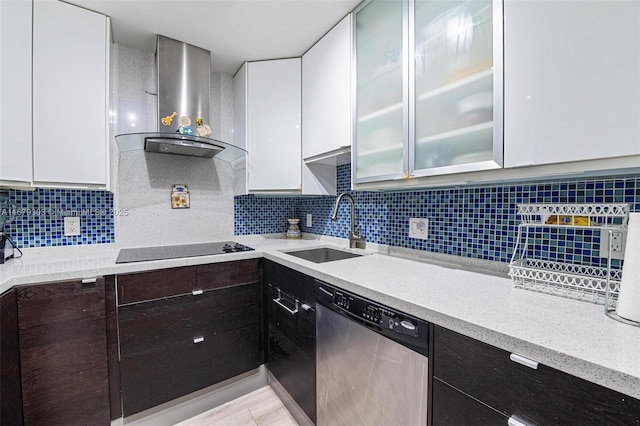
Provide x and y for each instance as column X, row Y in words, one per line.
column 143, row 254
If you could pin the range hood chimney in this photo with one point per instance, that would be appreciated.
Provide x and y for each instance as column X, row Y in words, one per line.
column 184, row 82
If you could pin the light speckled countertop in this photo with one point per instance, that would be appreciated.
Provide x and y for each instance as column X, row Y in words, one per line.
column 575, row 337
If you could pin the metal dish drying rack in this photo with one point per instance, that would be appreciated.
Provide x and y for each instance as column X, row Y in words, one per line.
column 594, row 284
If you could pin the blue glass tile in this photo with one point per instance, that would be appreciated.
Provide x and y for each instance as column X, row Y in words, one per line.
column 477, row 221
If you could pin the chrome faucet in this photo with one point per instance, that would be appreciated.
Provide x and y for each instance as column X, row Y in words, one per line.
column 355, row 240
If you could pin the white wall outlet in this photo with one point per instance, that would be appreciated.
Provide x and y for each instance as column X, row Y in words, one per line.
column 71, row 226
column 419, row 228
column 618, row 237
column 309, row 220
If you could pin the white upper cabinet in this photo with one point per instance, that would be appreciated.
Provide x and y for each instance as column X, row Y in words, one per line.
column 572, row 81
column 326, row 108
column 271, row 120
column 70, row 102
column 15, row 92
column 326, row 93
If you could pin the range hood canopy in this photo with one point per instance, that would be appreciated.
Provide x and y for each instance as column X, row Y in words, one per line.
column 184, row 74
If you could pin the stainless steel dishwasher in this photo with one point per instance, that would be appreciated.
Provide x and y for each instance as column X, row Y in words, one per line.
column 372, row 365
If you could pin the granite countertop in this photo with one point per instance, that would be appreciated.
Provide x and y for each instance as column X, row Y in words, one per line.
column 575, row 337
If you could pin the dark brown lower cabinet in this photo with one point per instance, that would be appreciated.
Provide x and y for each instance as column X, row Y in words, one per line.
column 174, row 346
column 63, row 353
column 453, row 408
column 10, row 388
column 541, row 396
column 292, row 334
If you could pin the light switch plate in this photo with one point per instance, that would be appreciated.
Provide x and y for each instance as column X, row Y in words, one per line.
column 309, row 220
column 419, row 228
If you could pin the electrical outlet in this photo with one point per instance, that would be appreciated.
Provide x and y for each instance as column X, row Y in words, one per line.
column 419, row 228
column 71, row 226
column 618, row 237
column 309, row 220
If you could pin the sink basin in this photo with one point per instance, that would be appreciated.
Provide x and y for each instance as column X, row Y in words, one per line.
column 323, row 254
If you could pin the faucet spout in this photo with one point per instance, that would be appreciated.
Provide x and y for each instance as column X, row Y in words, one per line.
column 355, row 240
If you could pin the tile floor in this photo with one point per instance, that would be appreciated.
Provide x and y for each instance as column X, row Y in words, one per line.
column 258, row 408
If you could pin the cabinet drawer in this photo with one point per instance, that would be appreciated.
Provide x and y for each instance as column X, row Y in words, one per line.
column 225, row 274
column 166, row 373
column 297, row 284
column 542, row 396
column 453, row 408
column 158, row 324
column 151, row 285
column 299, row 328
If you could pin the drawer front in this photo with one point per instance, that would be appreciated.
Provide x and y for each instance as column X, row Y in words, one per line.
column 292, row 282
column 299, row 328
column 226, row 274
column 160, row 375
column 150, row 326
column 453, row 408
column 158, row 284
column 542, row 396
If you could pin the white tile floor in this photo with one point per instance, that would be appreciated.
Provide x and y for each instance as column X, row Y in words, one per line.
column 259, row 408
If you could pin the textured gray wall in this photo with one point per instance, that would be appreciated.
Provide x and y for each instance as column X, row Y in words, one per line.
column 142, row 181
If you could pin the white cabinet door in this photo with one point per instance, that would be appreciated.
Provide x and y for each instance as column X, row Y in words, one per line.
column 572, row 81
column 240, row 129
column 326, row 92
column 326, row 108
column 70, row 58
column 273, row 125
column 15, row 92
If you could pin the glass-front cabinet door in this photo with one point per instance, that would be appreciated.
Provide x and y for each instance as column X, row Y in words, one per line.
column 428, row 88
column 457, row 97
column 381, row 109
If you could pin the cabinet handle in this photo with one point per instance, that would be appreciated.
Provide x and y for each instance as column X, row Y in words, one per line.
column 306, row 307
column 524, row 361
column 89, row 280
column 196, row 292
column 292, row 312
column 198, row 339
column 327, row 292
column 514, row 422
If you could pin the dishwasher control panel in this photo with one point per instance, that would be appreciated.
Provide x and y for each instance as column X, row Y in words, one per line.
column 373, row 313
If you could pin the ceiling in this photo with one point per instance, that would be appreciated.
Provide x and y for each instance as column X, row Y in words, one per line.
column 233, row 30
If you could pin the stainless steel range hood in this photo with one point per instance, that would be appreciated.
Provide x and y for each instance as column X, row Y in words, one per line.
column 183, row 75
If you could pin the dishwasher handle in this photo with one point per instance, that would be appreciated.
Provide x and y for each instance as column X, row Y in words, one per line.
column 285, row 307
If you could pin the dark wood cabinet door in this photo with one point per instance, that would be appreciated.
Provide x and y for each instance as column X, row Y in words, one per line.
column 542, row 396
column 10, row 388
column 292, row 349
column 453, row 408
column 172, row 347
column 63, row 353
column 112, row 346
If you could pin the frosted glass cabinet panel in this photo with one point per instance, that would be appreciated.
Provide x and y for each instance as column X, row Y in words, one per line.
column 381, row 107
column 429, row 88
column 454, row 94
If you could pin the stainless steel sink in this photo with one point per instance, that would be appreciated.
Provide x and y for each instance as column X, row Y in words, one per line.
column 323, row 254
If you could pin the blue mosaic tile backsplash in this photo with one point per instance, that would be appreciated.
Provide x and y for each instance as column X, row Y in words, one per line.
column 477, row 221
column 38, row 217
